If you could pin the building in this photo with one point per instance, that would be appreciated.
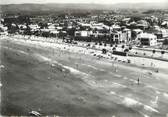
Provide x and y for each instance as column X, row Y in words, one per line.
column 83, row 35
column 3, row 30
column 142, row 24
column 54, row 33
column 126, row 20
column 34, row 27
column 115, row 28
column 52, row 27
column 161, row 33
column 126, row 35
column 147, row 39
column 135, row 33
column 116, row 37
column 165, row 24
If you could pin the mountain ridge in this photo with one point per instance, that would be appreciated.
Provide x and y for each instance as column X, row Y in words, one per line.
column 31, row 7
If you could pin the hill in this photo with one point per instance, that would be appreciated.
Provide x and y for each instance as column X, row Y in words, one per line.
column 17, row 8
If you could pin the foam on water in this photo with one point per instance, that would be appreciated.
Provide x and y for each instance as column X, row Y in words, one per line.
column 132, row 80
column 90, row 66
column 93, row 67
column 112, row 92
column 145, row 115
column 0, row 84
column 149, row 108
column 165, row 95
column 71, row 69
column 118, row 85
column 20, row 51
column 130, row 102
column 117, row 75
column 75, row 71
column 157, row 92
column 125, row 78
column 43, row 57
column 2, row 66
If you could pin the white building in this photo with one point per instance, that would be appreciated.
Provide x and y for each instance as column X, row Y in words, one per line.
column 116, row 36
column 135, row 33
column 147, row 39
column 83, row 33
column 34, row 27
column 4, row 28
column 115, row 28
column 126, row 35
column 165, row 23
column 51, row 27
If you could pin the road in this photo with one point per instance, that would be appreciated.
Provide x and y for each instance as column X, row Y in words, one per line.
column 54, row 80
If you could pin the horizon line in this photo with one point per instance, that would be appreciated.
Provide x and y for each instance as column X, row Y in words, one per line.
column 81, row 3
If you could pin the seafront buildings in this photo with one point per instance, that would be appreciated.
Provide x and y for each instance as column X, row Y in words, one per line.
column 110, row 29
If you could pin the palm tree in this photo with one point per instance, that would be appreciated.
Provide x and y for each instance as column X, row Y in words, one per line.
column 100, row 43
column 123, row 46
column 88, row 45
column 111, row 45
column 130, row 47
column 162, row 52
column 104, row 51
column 153, row 51
column 114, row 49
column 126, row 50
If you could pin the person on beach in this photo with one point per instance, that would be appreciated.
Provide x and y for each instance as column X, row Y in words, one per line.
column 138, row 81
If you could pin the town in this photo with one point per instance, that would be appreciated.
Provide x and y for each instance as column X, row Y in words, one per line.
column 103, row 29
column 70, row 63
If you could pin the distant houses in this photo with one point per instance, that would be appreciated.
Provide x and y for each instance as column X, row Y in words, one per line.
column 112, row 29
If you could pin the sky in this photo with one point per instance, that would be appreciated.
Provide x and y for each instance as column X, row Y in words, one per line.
column 79, row 1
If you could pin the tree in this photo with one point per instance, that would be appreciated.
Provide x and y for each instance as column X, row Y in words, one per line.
column 162, row 52
column 23, row 19
column 88, row 45
column 126, row 50
column 27, row 31
column 13, row 28
column 43, row 25
column 45, row 34
column 105, row 44
column 114, row 49
column 165, row 42
column 130, row 47
column 100, row 43
column 71, row 31
column 111, row 45
column 123, row 46
column 153, row 51
column 104, row 51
